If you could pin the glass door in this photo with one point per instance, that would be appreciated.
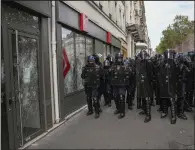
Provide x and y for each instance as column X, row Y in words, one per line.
column 25, row 84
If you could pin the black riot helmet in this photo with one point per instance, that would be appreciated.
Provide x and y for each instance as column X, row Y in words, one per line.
column 169, row 54
column 106, row 64
column 109, row 58
column 191, row 54
column 119, row 58
column 143, row 54
column 180, row 57
column 91, row 60
column 97, row 59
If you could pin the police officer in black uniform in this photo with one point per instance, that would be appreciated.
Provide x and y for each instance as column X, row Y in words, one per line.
column 132, row 85
column 190, row 83
column 120, row 75
column 111, row 60
column 154, row 79
column 168, row 84
column 158, row 61
column 101, row 87
column 107, row 87
column 143, row 83
column 91, row 74
column 182, row 69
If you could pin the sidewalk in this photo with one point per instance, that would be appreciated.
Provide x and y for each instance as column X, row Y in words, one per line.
column 108, row 132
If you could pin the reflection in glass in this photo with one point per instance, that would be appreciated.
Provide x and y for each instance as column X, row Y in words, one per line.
column 13, row 15
column 108, row 50
column 104, row 51
column 27, row 88
column 68, row 49
column 89, row 46
column 80, row 58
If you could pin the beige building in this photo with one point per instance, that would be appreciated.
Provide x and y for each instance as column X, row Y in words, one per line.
column 136, row 26
column 117, row 17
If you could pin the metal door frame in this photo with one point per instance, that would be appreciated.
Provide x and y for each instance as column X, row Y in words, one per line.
column 7, row 41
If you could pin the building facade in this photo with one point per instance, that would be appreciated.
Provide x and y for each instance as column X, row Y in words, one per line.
column 136, row 25
column 44, row 46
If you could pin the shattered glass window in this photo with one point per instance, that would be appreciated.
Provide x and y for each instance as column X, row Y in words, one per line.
column 13, row 15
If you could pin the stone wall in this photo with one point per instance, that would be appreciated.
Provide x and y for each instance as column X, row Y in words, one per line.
column 188, row 44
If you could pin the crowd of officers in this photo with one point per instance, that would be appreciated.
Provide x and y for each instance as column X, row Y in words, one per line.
column 167, row 80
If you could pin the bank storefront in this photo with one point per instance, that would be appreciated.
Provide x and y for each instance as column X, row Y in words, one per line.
column 77, row 37
column 27, row 101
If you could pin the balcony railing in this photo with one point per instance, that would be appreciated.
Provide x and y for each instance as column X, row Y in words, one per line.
column 137, row 31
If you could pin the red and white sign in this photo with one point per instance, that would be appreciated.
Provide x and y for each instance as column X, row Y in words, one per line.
column 109, row 38
column 66, row 63
column 83, row 22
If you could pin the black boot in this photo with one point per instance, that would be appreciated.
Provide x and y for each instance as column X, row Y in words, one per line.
column 148, row 111
column 173, row 111
column 130, row 104
column 122, row 115
column 180, row 109
column 97, row 108
column 109, row 100
column 164, row 112
column 97, row 115
column 143, row 112
column 122, row 106
column 89, row 105
column 89, row 113
column 116, row 100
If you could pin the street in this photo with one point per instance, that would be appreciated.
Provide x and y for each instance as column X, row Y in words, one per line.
column 108, row 132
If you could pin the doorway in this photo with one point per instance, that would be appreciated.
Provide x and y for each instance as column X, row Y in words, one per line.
column 21, row 55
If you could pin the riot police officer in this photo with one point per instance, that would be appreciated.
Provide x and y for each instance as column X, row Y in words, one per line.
column 182, row 69
column 132, row 85
column 101, row 87
column 111, row 60
column 190, row 83
column 120, row 75
column 168, row 84
column 143, row 83
column 107, row 87
column 91, row 74
column 158, row 61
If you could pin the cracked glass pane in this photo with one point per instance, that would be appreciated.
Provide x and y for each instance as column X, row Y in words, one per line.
column 26, row 85
column 80, row 58
column 68, row 61
column 13, row 15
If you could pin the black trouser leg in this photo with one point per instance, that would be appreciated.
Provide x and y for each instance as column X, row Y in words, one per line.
column 105, row 94
column 180, row 108
column 147, row 110
column 96, row 107
column 138, row 103
column 133, row 96
column 122, row 106
column 116, row 100
column 143, row 106
column 160, row 104
column 190, row 101
column 90, row 106
column 130, row 104
column 189, row 97
column 173, row 111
